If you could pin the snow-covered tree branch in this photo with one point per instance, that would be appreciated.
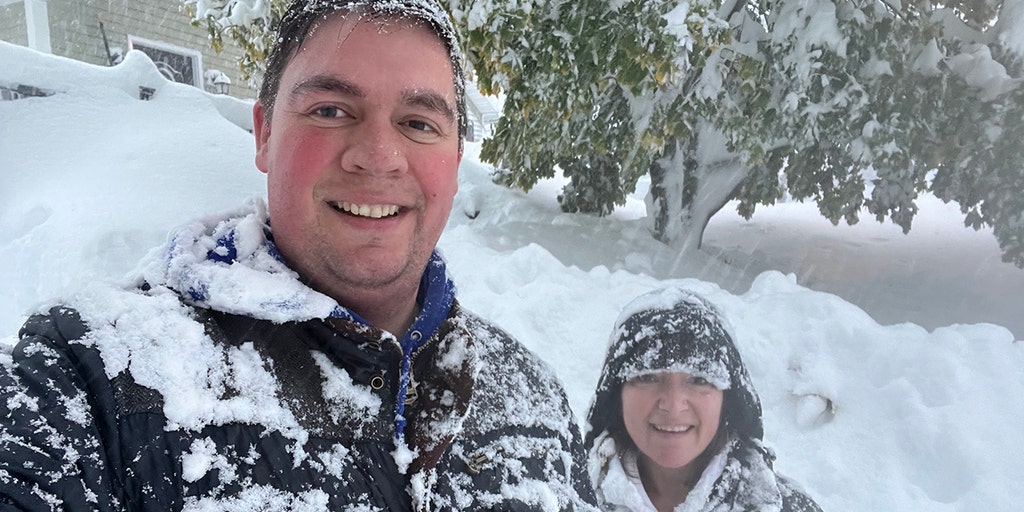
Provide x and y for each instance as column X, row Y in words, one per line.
column 853, row 104
column 249, row 24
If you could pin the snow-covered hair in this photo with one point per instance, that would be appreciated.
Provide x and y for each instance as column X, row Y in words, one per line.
column 673, row 330
column 302, row 16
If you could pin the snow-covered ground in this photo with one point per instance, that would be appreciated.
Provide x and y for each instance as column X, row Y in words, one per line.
column 888, row 372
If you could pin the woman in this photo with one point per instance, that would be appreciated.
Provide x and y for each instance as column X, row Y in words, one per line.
column 675, row 423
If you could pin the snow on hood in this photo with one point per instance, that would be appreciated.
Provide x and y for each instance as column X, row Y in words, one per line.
column 232, row 265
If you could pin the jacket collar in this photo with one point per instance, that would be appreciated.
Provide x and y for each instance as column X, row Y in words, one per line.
column 231, row 264
column 737, row 479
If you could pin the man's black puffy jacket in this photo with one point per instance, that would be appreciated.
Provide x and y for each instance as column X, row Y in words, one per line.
column 74, row 438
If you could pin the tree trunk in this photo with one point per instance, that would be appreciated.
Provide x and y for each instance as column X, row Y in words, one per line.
column 689, row 184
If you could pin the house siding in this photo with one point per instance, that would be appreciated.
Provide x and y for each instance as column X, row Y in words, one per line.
column 75, row 32
column 13, row 28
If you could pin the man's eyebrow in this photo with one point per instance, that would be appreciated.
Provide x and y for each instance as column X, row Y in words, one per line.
column 430, row 100
column 327, row 83
column 427, row 99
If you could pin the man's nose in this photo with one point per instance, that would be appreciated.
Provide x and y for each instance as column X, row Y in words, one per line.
column 374, row 146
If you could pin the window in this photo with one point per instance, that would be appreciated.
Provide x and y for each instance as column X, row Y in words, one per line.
column 9, row 94
column 174, row 62
column 17, row 92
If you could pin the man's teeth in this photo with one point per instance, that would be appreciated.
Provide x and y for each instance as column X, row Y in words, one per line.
column 374, row 211
column 672, row 428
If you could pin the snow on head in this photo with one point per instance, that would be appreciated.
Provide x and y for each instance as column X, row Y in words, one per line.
column 671, row 337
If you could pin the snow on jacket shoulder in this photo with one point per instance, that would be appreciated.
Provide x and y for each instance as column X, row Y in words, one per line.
column 185, row 395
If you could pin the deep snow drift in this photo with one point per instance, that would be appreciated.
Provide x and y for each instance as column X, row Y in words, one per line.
column 865, row 416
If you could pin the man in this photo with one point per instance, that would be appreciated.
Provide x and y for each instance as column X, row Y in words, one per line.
column 308, row 354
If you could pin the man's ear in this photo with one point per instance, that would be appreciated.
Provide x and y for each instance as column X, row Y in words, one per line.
column 261, row 129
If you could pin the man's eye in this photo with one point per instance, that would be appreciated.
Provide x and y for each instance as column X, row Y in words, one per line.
column 422, row 126
column 329, row 112
column 699, row 381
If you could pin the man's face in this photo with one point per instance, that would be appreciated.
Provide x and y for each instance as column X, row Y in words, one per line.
column 362, row 154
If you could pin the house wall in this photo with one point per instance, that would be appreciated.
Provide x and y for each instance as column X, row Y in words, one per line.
column 75, row 32
column 13, row 28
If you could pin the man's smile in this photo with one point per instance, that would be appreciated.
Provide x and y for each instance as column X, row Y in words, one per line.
column 373, row 211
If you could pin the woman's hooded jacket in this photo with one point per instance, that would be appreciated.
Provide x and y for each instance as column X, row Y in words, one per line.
column 675, row 330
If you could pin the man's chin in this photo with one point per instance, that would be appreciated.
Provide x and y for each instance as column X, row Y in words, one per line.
column 375, row 272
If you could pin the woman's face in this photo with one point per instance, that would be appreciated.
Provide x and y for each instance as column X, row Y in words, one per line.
column 671, row 416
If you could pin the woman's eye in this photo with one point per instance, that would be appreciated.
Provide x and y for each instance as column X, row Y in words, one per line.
column 699, row 381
